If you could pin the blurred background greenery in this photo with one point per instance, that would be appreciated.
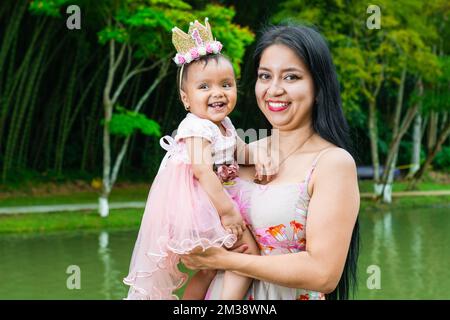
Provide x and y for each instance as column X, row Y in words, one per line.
column 81, row 113
column 57, row 92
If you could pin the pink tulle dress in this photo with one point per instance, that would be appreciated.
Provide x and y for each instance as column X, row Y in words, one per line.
column 179, row 215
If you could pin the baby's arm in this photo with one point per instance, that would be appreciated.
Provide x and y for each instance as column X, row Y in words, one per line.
column 235, row 286
column 202, row 165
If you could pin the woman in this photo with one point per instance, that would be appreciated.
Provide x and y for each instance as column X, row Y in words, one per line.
column 304, row 219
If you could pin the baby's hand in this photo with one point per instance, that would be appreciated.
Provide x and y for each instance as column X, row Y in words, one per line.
column 264, row 165
column 232, row 222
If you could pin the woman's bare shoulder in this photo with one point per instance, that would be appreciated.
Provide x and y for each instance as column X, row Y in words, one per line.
column 336, row 160
column 338, row 155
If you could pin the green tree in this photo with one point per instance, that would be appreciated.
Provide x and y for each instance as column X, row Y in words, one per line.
column 137, row 34
column 369, row 60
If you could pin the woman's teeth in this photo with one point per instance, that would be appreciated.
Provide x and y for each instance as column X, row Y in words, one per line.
column 277, row 106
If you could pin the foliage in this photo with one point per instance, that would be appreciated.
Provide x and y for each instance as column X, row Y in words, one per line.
column 45, row 69
column 137, row 22
column 442, row 160
column 360, row 54
column 48, row 7
column 234, row 38
column 439, row 98
column 125, row 122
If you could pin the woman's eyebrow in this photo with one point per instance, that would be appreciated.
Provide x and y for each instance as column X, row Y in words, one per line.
column 283, row 70
column 292, row 69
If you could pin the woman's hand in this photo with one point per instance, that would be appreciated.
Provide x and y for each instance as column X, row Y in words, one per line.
column 198, row 259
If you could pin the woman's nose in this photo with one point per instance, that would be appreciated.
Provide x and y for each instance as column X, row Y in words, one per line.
column 275, row 89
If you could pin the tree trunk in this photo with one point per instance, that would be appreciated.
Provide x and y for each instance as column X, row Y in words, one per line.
column 430, row 157
column 373, row 135
column 107, row 109
column 391, row 159
column 110, row 98
column 432, row 130
column 388, row 186
column 372, row 95
column 417, row 138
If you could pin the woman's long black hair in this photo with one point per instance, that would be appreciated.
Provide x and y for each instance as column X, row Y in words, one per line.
column 328, row 117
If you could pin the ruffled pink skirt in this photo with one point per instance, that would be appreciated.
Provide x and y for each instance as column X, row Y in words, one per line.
column 178, row 217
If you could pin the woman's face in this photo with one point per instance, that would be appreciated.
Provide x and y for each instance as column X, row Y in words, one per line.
column 284, row 88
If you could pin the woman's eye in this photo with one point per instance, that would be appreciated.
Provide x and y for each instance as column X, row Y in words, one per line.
column 263, row 76
column 292, row 77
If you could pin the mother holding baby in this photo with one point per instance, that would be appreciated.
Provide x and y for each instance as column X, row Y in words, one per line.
column 305, row 219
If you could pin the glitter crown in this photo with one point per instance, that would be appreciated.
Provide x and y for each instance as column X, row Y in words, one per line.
column 194, row 44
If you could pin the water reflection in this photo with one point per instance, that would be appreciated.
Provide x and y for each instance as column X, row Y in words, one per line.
column 410, row 247
column 111, row 274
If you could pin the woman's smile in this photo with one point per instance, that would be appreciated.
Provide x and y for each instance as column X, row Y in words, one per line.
column 277, row 106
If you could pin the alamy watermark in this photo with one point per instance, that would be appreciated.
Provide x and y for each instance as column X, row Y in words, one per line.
column 74, row 279
column 374, row 20
column 74, row 20
column 259, row 142
column 374, row 280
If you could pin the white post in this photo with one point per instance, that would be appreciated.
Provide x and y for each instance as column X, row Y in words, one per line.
column 103, row 206
column 378, row 189
column 387, row 195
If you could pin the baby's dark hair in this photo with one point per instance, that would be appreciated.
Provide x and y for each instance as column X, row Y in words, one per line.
column 203, row 59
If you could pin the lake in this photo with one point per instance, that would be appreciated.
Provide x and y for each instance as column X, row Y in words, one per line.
column 404, row 255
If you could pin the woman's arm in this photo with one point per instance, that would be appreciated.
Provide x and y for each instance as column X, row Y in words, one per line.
column 332, row 214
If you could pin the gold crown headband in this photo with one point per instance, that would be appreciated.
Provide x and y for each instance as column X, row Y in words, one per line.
column 196, row 43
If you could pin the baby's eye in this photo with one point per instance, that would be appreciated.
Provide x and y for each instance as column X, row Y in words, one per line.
column 226, row 85
column 203, row 86
column 263, row 76
column 292, row 77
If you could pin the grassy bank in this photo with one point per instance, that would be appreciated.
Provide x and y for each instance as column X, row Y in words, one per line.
column 131, row 218
column 367, row 186
column 65, row 221
column 70, row 194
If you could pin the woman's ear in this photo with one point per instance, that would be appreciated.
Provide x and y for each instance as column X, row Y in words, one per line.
column 184, row 99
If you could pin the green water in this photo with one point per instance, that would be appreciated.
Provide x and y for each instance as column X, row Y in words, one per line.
column 409, row 248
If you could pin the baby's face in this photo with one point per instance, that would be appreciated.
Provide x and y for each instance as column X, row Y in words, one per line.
column 210, row 90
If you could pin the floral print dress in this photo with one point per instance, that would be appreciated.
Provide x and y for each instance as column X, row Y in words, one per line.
column 278, row 226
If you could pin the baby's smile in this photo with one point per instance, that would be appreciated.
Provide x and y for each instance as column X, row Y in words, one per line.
column 218, row 106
